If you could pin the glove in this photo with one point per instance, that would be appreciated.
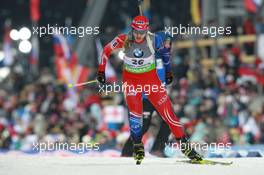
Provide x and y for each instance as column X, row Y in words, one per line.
column 169, row 77
column 101, row 77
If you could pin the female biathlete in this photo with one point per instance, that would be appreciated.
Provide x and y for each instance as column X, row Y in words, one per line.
column 139, row 72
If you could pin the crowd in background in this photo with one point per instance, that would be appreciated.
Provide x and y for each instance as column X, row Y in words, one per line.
column 214, row 103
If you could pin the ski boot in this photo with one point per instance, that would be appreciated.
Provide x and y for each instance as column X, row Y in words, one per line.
column 139, row 152
column 189, row 152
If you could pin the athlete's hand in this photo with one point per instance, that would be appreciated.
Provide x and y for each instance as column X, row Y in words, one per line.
column 169, row 77
column 101, row 76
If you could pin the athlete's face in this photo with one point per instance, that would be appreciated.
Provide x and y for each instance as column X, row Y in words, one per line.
column 139, row 36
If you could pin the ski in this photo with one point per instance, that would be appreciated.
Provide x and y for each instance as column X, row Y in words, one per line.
column 206, row 162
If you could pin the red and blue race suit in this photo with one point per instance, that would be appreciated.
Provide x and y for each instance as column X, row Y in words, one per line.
column 140, row 77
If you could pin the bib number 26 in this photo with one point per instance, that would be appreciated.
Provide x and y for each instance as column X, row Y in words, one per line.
column 137, row 62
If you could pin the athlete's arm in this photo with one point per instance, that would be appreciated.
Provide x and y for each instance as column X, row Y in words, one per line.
column 117, row 43
column 163, row 46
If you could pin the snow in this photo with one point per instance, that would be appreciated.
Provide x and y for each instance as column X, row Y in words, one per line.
column 78, row 165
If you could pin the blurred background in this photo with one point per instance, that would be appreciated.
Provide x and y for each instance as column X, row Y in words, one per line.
column 217, row 92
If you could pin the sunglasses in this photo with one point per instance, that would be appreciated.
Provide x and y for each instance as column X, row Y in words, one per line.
column 142, row 32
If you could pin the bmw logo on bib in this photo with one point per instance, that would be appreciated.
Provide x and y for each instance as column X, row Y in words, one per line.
column 138, row 53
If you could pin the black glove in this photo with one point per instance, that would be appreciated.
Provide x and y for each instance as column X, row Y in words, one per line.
column 169, row 77
column 101, row 77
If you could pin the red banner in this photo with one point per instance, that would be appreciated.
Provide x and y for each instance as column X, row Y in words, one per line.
column 34, row 10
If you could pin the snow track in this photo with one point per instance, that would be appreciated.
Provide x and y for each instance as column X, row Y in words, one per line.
column 78, row 165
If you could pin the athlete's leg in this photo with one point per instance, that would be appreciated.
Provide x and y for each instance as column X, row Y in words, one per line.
column 161, row 138
column 148, row 110
column 134, row 103
column 163, row 105
column 127, row 150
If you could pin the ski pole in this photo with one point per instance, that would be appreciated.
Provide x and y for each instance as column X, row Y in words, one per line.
column 140, row 7
column 70, row 85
